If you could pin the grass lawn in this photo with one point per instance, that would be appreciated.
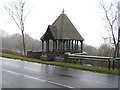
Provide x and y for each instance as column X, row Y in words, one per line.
column 91, row 68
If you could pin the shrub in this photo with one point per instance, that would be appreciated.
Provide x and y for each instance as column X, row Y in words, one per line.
column 36, row 55
column 44, row 58
column 13, row 52
column 51, row 57
column 59, row 59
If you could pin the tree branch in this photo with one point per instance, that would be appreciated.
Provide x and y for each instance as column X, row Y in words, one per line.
column 111, row 16
column 15, row 22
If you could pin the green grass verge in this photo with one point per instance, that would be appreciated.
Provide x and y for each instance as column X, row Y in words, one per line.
column 91, row 68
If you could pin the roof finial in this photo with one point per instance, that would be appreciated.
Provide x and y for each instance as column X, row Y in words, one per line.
column 63, row 11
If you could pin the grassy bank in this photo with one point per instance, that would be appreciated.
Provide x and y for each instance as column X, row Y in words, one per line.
column 91, row 68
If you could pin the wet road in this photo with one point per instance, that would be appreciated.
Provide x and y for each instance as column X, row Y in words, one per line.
column 23, row 74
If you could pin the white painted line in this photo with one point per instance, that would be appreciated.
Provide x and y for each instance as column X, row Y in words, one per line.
column 10, row 71
column 11, row 64
column 66, row 86
column 32, row 69
column 28, row 68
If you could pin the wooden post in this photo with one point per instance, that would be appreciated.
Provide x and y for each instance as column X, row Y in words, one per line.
column 69, row 45
column 81, row 46
column 59, row 45
column 56, row 45
column 78, row 45
column 72, row 44
column 113, row 65
column 42, row 45
column 63, row 45
column 109, row 63
column 53, row 45
column 47, row 45
column 75, row 44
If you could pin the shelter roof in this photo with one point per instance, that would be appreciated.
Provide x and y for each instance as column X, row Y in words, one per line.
column 62, row 28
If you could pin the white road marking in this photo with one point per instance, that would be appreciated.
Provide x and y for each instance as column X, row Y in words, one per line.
column 11, row 64
column 66, row 86
column 10, row 71
column 32, row 69
column 28, row 68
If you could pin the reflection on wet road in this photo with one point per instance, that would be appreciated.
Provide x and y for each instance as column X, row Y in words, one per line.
column 23, row 74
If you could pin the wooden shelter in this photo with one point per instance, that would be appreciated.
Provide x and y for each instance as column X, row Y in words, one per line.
column 63, row 36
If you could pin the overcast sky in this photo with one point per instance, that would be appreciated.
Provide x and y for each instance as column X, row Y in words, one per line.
column 84, row 14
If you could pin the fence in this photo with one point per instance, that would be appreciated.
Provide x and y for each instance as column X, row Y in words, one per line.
column 109, row 62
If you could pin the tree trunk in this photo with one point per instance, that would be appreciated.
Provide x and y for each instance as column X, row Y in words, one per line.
column 23, row 39
column 118, row 44
column 116, row 51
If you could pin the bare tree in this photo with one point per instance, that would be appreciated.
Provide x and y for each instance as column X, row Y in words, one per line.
column 105, row 50
column 110, row 11
column 16, row 10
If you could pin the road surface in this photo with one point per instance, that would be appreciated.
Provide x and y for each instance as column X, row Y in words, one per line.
column 23, row 74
